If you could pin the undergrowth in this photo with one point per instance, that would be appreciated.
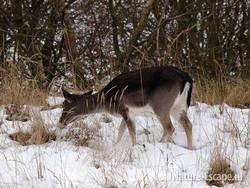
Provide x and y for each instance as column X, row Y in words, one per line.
column 18, row 90
column 212, row 92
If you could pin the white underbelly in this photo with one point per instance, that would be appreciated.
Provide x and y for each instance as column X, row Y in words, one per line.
column 140, row 111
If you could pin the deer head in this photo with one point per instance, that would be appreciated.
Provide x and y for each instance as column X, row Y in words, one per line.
column 75, row 106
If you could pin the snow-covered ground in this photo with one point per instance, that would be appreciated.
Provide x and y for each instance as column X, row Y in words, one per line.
column 149, row 163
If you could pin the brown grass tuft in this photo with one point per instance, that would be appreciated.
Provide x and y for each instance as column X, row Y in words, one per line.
column 20, row 137
column 40, row 133
column 234, row 93
column 220, row 172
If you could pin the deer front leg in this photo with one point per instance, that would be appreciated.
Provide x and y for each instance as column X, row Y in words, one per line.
column 121, row 131
column 131, row 130
column 130, row 125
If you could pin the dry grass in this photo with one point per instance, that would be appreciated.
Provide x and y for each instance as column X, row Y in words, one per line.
column 39, row 134
column 17, row 113
column 80, row 134
column 18, row 90
column 20, row 137
column 220, row 171
column 235, row 93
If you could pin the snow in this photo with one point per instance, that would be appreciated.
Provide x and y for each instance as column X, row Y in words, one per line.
column 104, row 163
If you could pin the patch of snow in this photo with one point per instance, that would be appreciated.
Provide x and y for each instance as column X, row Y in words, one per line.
column 149, row 163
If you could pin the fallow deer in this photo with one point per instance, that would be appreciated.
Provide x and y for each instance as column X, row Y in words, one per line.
column 164, row 91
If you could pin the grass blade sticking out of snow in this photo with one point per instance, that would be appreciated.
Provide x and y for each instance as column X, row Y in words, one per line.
column 40, row 133
column 220, row 171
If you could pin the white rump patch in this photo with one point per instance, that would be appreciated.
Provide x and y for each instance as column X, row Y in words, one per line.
column 180, row 103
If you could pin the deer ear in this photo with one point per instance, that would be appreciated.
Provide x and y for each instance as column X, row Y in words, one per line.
column 88, row 93
column 66, row 94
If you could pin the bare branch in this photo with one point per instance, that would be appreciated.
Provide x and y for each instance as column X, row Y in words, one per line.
column 115, row 32
column 138, row 30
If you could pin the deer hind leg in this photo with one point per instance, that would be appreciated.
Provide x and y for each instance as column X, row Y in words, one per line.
column 178, row 111
column 187, row 127
column 181, row 116
column 161, row 109
column 168, row 128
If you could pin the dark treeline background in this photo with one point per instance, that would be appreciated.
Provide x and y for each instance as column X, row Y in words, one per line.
column 86, row 40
